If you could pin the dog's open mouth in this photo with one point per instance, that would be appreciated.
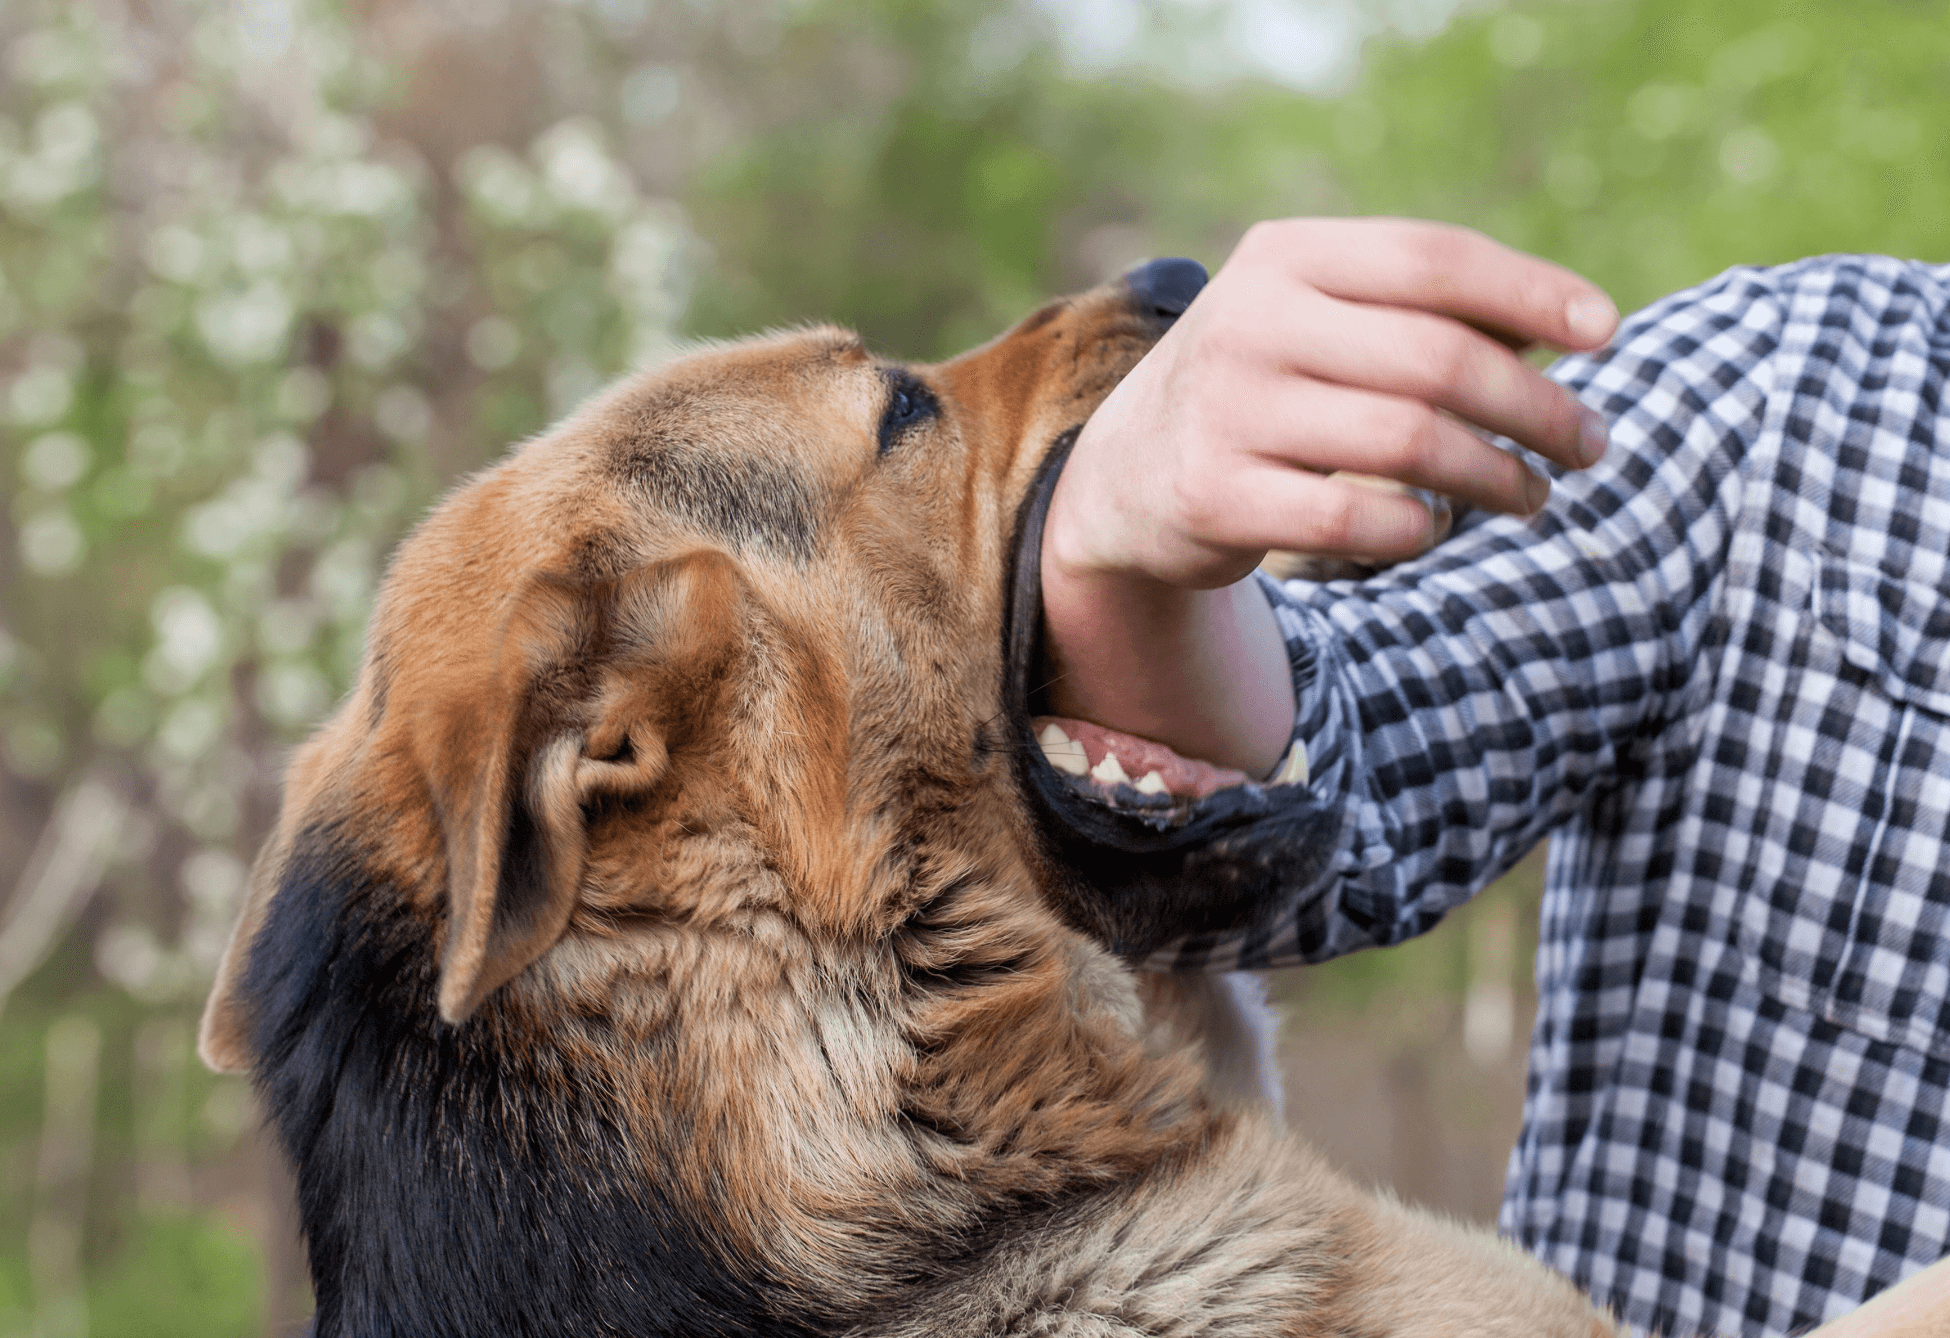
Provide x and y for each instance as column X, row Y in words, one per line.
column 1125, row 771
column 1150, row 846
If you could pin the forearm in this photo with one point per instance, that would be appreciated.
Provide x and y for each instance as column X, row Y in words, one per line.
column 1202, row 671
column 1916, row 1307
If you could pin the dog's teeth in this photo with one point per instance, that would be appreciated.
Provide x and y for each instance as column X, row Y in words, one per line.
column 1064, row 753
column 1110, row 771
column 1293, row 771
column 1151, row 783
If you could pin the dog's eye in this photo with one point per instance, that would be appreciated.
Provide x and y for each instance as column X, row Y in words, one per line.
column 908, row 404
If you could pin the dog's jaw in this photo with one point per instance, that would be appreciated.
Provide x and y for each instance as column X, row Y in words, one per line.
column 1138, row 872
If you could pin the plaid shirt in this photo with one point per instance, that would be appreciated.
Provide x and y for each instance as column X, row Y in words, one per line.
column 1716, row 669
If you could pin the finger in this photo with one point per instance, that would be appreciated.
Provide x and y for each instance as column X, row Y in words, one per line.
column 1445, row 363
column 1516, row 343
column 1327, row 517
column 1317, row 425
column 1441, row 268
column 1442, row 514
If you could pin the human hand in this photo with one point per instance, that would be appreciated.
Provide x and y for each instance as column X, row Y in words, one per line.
column 1322, row 345
column 1326, row 345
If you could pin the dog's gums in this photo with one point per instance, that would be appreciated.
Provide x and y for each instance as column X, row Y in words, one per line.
column 1122, row 769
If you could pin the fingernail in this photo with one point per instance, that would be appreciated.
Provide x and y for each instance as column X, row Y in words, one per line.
column 1418, row 526
column 1403, row 526
column 1591, row 319
column 1594, row 434
column 1536, row 492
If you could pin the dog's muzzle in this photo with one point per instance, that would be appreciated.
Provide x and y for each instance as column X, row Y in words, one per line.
column 1144, row 860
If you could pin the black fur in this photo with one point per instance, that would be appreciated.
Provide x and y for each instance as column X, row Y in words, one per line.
column 1137, row 878
column 746, row 502
column 445, row 1171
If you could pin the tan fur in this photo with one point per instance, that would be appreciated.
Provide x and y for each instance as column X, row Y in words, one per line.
column 1234, row 1029
column 739, row 674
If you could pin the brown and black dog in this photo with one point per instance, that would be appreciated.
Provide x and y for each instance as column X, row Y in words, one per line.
column 678, row 930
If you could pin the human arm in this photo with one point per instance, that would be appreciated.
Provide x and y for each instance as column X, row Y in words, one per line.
column 1462, row 704
column 1321, row 345
column 1916, row 1307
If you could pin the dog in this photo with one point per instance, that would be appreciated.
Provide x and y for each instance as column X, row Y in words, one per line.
column 678, row 928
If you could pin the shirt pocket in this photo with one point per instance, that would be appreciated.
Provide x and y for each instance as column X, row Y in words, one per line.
column 1892, row 982
column 1831, row 789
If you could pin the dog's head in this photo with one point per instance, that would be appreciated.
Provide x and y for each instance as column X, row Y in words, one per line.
column 715, row 638
column 680, row 898
column 750, row 635
column 752, row 632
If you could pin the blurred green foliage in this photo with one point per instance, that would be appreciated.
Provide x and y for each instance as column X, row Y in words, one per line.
column 1653, row 144
column 189, row 1277
column 273, row 273
column 1646, row 143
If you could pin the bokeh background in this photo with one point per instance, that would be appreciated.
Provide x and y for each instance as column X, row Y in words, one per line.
column 274, row 272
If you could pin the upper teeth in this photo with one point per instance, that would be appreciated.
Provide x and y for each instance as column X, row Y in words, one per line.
column 1110, row 771
column 1064, row 753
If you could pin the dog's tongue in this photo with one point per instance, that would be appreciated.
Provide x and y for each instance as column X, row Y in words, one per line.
column 1110, row 758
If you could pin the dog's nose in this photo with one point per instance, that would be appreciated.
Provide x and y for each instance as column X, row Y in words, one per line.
column 1166, row 286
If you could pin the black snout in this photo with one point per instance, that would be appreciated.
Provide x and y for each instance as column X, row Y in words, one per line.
column 1166, row 286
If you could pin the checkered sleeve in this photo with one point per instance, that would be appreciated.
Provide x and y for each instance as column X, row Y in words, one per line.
column 1458, row 707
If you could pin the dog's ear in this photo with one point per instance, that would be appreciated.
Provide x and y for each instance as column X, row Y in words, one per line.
column 223, row 1035
column 582, row 695
column 591, row 685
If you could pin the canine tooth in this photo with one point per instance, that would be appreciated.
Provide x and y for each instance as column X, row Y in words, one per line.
column 1151, row 783
column 1064, row 753
column 1110, row 771
column 1293, row 771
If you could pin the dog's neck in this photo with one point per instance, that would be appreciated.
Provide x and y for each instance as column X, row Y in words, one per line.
column 654, row 1100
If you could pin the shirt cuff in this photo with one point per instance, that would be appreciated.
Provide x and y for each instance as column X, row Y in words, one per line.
column 1327, row 732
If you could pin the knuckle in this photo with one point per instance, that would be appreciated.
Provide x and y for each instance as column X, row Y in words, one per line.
column 1340, row 517
column 1332, row 523
column 1450, row 362
column 1275, row 243
column 1443, row 252
column 1296, row 231
column 1415, row 438
column 1259, row 240
column 1540, row 300
column 1435, row 247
